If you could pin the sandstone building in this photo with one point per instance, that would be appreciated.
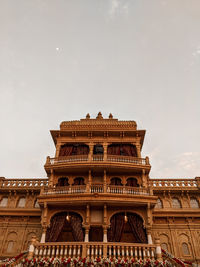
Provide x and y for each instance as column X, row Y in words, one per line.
column 98, row 199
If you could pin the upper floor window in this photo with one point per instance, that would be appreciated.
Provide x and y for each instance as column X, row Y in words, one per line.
column 122, row 149
column 115, row 181
column 79, row 181
column 21, row 202
column 159, row 204
column 73, row 149
column 194, row 203
column 63, row 181
column 132, row 182
column 176, row 203
column 4, row 202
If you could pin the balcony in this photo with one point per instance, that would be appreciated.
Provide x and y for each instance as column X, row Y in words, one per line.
column 95, row 189
column 93, row 250
column 99, row 160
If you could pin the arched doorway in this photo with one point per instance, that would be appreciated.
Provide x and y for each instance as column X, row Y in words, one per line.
column 65, row 227
column 126, row 227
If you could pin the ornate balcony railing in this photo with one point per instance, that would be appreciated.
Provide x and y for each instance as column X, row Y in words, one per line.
column 23, row 183
column 95, row 188
column 95, row 249
column 97, row 158
column 173, row 183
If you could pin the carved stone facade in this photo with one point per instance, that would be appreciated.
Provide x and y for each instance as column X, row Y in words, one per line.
column 96, row 179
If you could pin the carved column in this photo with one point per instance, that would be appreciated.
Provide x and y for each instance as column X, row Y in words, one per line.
column 43, row 237
column 104, row 182
column 138, row 148
column 105, row 238
column 91, row 147
column 105, row 147
column 58, row 146
column 87, row 229
column 88, row 186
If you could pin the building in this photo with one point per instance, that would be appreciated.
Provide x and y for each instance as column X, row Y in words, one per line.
column 99, row 200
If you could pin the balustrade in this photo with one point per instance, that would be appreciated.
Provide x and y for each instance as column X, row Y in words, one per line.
column 93, row 250
column 24, row 183
column 96, row 188
column 173, row 183
column 110, row 158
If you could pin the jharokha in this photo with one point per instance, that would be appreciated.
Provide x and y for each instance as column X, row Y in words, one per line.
column 98, row 204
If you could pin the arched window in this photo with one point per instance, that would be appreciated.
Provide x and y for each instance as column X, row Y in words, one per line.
column 4, row 202
column 159, row 204
column 36, row 204
column 176, row 203
column 73, row 149
column 132, row 182
column 10, row 246
column 185, row 249
column 79, row 181
column 115, row 181
column 194, row 203
column 21, row 202
column 122, row 149
column 63, row 181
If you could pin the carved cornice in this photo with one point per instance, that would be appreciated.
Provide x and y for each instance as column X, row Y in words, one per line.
column 98, row 124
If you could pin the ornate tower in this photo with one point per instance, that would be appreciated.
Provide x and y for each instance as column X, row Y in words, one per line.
column 98, row 184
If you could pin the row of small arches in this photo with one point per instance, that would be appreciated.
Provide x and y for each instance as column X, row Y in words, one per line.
column 20, row 204
column 184, row 247
column 176, row 203
column 64, row 181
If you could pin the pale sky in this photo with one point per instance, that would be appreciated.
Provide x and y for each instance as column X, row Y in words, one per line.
column 139, row 59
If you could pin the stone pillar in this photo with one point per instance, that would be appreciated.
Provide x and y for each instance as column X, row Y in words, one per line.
column 86, row 234
column 138, row 150
column 58, row 146
column 105, row 238
column 91, row 147
column 43, row 237
column 149, row 237
column 88, row 186
column 158, row 249
column 105, row 147
column 104, row 182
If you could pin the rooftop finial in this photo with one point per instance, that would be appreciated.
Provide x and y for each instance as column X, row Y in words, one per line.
column 88, row 116
column 99, row 116
column 110, row 116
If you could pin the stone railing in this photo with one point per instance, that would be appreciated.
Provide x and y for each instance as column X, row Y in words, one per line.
column 95, row 188
column 172, row 183
column 97, row 158
column 92, row 250
column 23, row 183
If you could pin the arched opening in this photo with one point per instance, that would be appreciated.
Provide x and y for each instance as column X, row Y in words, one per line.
column 132, row 182
column 176, row 203
column 65, row 227
column 185, row 249
column 96, row 234
column 73, row 149
column 122, row 149
column 21, row 203
column 98, row 149
column 194, row 203
column 79, row 181
column 159, row 204
column 115, row 181
column 4, row 202
column 127, row 227
column 63, row 181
